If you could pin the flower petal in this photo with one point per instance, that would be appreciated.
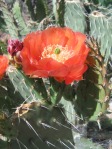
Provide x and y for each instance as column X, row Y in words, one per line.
column 29, row 64
column 39, row 74
column 54, row 36
column 3, row 65
column 49, row 64
column 76, row 74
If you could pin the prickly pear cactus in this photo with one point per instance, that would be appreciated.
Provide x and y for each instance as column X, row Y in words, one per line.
column 44, row 113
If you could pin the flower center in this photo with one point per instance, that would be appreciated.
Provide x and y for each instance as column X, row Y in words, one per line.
column 58, row 53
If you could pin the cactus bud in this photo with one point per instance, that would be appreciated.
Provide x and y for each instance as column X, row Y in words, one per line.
column 14, row 46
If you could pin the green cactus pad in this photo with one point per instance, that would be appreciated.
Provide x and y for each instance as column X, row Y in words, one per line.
column 6, row 127
column 3, row 144
column 101, row 29
column 3, row 47
column 74, row 16
column 9, row 20
column 22, row 26
column 37, row 9
column 45, row 127
column 25, row 85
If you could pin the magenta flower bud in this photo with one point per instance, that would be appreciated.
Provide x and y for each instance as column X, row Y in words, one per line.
column 14, row 46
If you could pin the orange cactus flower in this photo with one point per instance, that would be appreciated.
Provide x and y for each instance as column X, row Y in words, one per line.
column 3, row 65
column 55, row 52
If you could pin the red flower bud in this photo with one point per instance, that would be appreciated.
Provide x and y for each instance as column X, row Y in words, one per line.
column 14, row 46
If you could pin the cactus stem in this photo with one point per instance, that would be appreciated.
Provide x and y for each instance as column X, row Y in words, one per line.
column 57, row 89
column 106, row 98
column 60, row 93
column 93, row 44
column 99, row 69
column 101, row 86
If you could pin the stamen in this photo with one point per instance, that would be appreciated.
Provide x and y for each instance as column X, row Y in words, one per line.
column 58, row 53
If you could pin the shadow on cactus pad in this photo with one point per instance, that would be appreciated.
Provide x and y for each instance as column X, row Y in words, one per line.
column 87, row 95
column 41, row 126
